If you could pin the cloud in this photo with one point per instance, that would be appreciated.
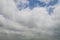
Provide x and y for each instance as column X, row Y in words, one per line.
column 27, row 24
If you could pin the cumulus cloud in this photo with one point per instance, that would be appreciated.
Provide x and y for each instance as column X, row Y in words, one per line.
column 28, row 24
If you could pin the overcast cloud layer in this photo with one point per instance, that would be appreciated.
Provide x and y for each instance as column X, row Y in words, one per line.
column 27, row 24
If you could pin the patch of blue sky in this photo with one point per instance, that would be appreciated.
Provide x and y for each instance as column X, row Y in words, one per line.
column 33, row 3
column 22, row 6
column 50, row 11
column 52, row 2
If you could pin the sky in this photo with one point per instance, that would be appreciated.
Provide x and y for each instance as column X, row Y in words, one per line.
column 41, row 3
column 29, row 19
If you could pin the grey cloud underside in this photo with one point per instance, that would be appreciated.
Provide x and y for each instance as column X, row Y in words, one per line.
column 28, row 24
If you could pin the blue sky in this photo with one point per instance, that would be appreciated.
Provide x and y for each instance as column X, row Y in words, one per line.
column 33, row 3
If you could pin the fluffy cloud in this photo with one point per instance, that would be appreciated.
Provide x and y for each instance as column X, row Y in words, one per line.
column 28, row 24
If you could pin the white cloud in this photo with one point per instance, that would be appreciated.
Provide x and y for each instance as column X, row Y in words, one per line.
column 27, row 22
